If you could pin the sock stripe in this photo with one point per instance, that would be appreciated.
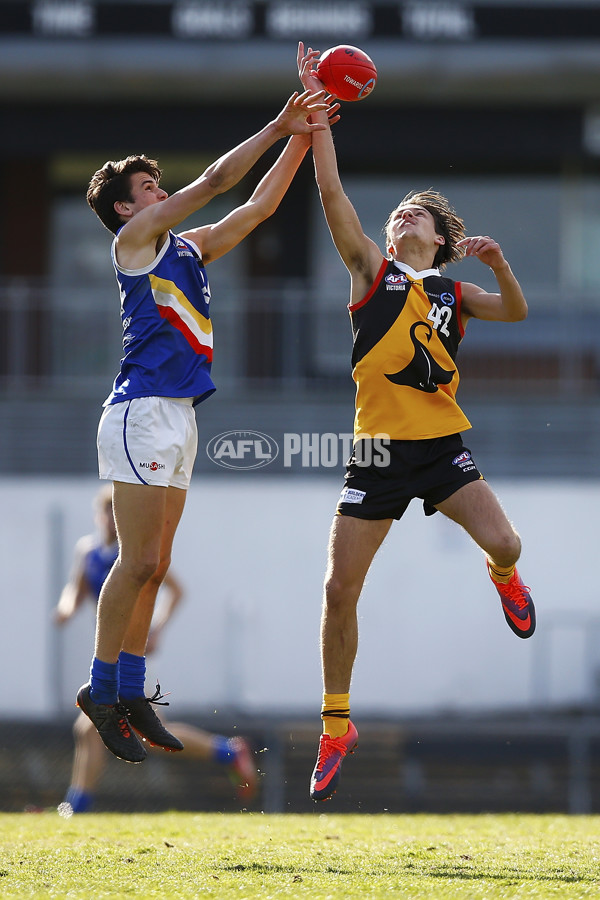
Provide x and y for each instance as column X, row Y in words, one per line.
column 502, row 573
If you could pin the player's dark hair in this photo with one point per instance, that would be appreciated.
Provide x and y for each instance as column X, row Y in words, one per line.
column 447, row 223
column 112, row 183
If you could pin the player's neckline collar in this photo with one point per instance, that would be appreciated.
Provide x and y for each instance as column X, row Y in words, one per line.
column 408, row 270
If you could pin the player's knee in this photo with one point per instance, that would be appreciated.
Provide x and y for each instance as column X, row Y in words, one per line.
column 141, row 569
column 507, row 548
column 340, row 593
column 161, row 570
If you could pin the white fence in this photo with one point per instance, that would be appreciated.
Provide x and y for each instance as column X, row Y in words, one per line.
column 251, row 553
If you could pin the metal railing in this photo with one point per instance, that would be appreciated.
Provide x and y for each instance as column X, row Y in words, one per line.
column 531, row 389
column 53, row 338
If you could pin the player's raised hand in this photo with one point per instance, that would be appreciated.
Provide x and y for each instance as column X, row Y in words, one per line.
column 293, row 118
column 307, row 68
column 487, row 250
column 308, row 76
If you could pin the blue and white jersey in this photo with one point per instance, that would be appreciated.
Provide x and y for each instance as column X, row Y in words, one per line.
column 167, row 332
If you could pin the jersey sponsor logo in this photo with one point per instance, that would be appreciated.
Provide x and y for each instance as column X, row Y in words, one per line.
column 153, row 466
column 351, row 495
column 446, row 298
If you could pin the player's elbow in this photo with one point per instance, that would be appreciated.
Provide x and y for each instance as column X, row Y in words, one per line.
column 520, row 314
column 262, row 209
column 257, row 211
column 218, row 183
column 327, row 192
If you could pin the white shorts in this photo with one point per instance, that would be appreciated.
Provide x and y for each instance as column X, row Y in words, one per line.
column 148, row 440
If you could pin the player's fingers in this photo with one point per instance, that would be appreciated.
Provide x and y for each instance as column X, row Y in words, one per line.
column 475, row 245
column 315, row 100
column 309, row 95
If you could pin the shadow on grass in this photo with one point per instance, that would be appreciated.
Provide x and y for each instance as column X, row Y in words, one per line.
column 270, row 868
column 512, row 875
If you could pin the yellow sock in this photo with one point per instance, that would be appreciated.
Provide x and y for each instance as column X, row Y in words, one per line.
column 503, row 574
column 335, row 713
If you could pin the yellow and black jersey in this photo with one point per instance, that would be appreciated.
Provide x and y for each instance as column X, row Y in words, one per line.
column 406, row 335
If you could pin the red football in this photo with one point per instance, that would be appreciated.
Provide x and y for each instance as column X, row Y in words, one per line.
column 347, row 72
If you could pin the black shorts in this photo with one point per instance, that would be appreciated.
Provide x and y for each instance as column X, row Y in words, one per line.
column 380, row 486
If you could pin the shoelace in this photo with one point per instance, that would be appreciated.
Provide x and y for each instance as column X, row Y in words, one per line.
column 157, row 697
column 123, row 723
column 329, row 747
column 516, row 593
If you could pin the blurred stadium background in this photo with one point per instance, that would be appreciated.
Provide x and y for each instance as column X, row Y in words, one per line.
column 496, row 104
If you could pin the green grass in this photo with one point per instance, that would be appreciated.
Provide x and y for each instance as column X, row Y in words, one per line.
column 250, row 855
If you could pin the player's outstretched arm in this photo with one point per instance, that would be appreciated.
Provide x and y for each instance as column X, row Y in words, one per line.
column 157, row 218
column 77, row 589
column 169, row 601
column 217, row 239
column 361, row 256
column 509, row 305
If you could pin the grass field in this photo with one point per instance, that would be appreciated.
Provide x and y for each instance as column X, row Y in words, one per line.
column 249, row 855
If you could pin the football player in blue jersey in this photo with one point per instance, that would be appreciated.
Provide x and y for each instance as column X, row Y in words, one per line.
column 407, row 321
column 147, row 436
column 94, row 556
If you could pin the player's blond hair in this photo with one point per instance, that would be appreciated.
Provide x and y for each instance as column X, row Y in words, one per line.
column 447, row 223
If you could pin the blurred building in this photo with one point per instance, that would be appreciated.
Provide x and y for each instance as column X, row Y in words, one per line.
column 494, row 103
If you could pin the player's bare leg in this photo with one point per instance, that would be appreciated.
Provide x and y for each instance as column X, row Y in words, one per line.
column 144, row 515
column 136, row 637
column 352, row 545
column 89, row 760
column 140, row 515
column 90, row 755
column 478, row 510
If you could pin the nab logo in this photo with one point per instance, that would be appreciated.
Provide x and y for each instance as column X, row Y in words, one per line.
column 242, row 450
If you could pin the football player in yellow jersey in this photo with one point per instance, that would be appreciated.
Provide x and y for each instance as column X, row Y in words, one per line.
column 407, row 321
